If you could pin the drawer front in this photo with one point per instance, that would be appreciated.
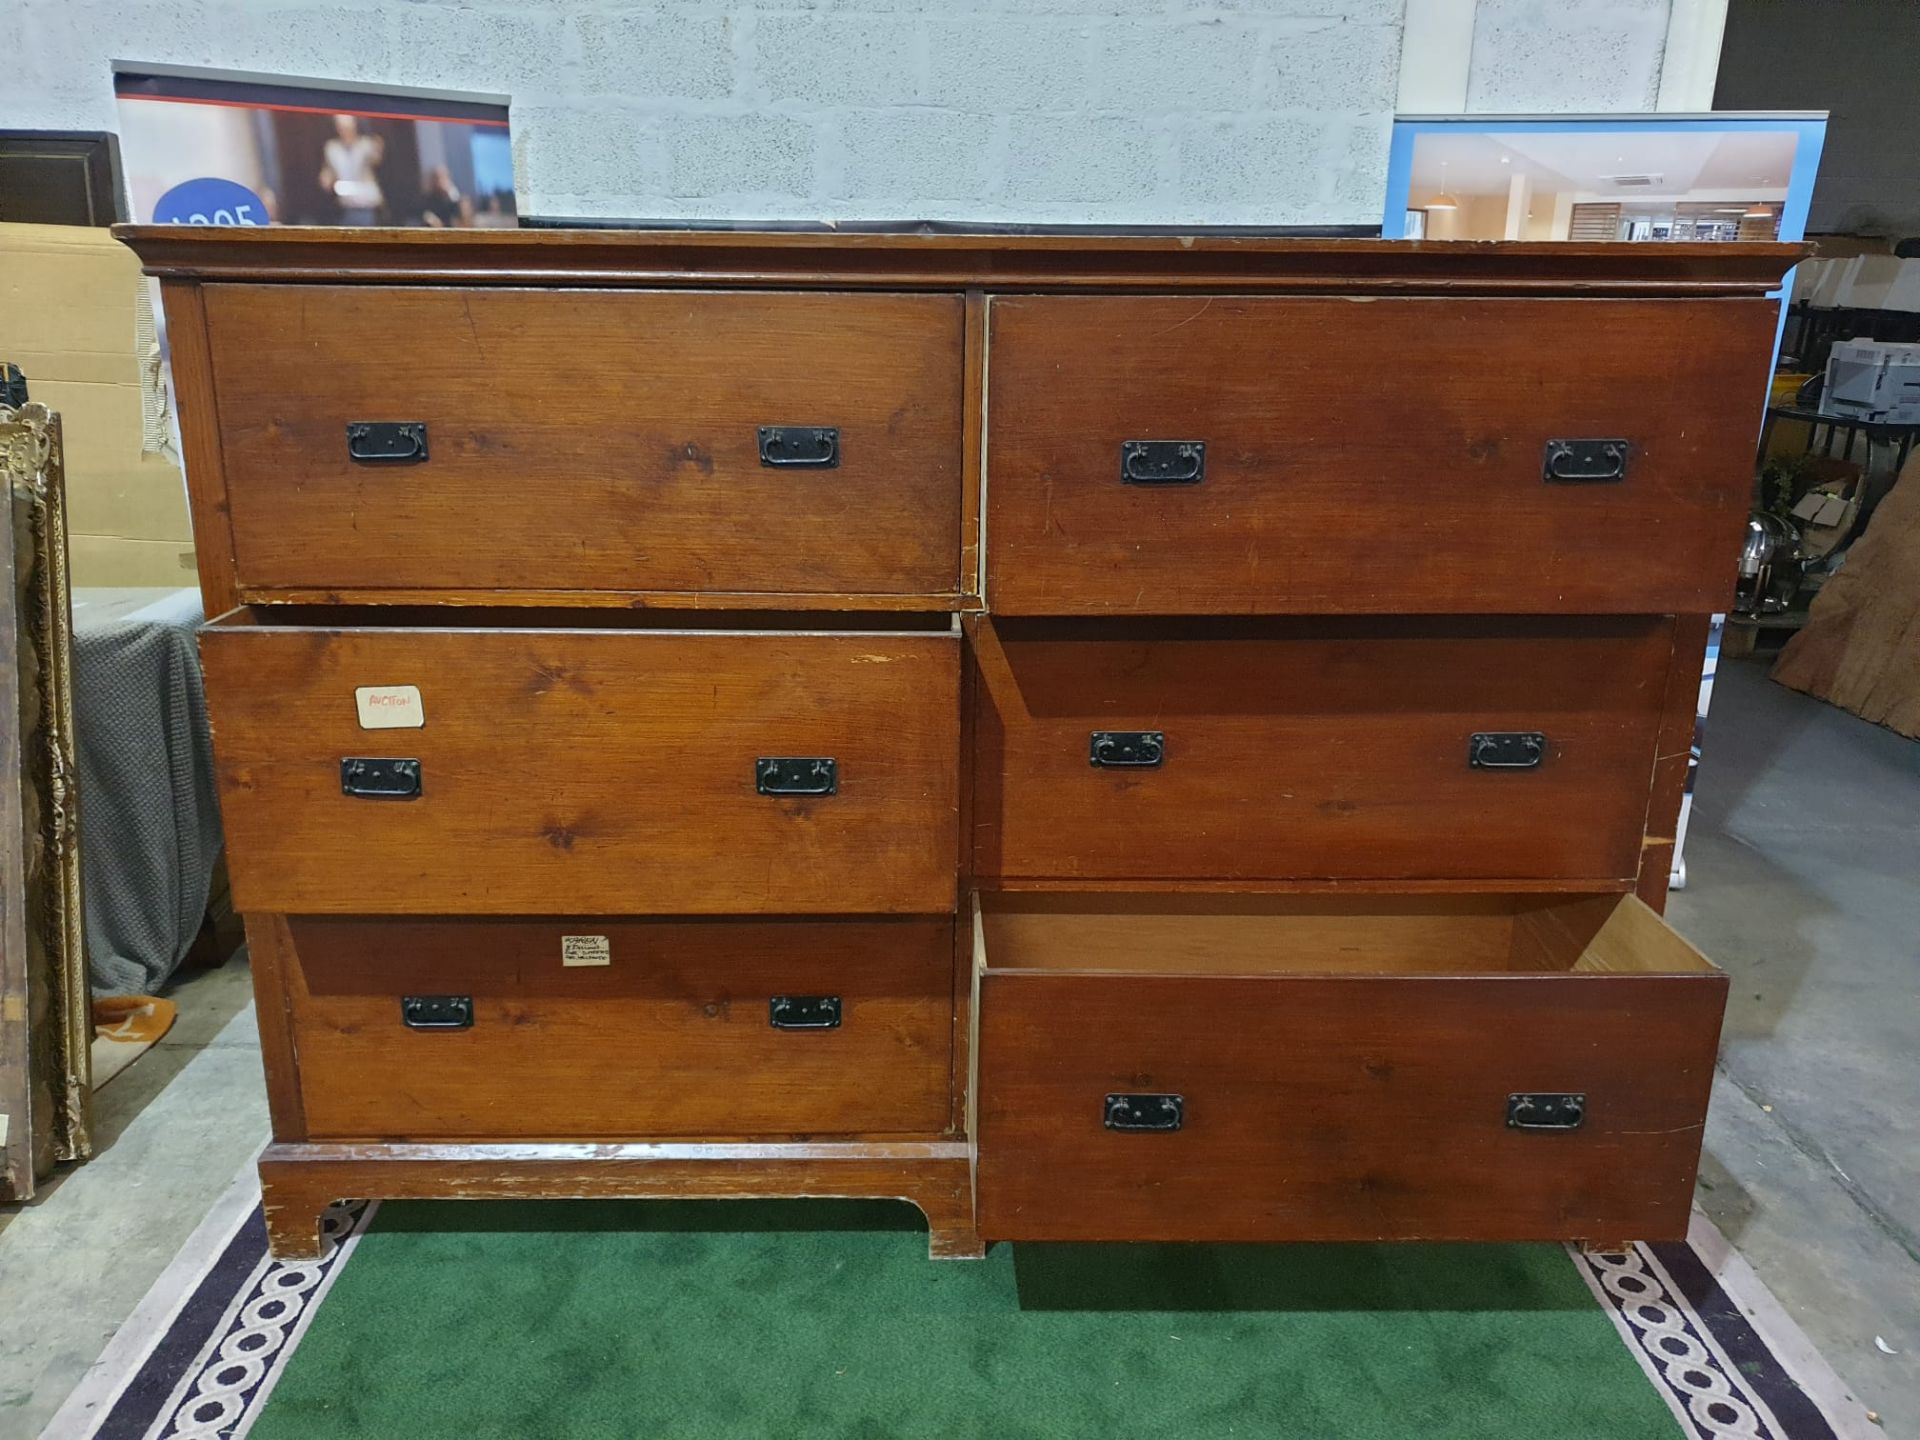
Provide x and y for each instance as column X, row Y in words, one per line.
column 657, row 1028
column 1340, row 1107
column 570, row 772
column 1293, row 749
column 581, row 440
column 1378, row 457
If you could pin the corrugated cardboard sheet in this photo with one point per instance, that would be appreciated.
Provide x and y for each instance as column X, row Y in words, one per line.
column 69, row 318
column 1860, row 648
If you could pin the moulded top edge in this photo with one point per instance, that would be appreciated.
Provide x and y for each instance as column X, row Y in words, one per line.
column 990, row 260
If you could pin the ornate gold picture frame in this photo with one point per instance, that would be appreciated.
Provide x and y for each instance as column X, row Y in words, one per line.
column 45, row 1013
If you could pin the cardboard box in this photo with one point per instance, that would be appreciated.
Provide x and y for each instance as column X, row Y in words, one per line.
column 68, row 297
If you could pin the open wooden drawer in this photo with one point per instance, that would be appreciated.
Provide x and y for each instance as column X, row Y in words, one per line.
column 468, row 761
column 1371, row 1067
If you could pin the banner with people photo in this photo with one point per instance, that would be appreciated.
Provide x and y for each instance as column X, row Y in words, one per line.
column 200, row 150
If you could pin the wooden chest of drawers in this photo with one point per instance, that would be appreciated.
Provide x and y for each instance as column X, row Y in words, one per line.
column 1102, row 737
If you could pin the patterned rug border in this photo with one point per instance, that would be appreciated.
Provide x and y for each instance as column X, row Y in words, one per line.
column 200, row 1356
column 1712, row 1340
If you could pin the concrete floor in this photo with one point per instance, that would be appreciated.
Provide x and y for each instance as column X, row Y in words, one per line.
column 170, row 1133
column 1804, row 884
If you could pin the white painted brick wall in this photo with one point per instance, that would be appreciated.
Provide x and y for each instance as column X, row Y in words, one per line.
column 1124, row 111
column 1548, row 56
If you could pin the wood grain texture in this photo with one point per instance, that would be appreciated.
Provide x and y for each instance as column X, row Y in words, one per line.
column 1196, row 259
column 590, row 441
column 965, row 906
column 973, row 453
column 1673, row 758
column 1502, row 884
column 1341, row 944
column 198, row 411
column 671, row 1038
column 1315, row 748
column 1342, row 1107
column 1251, row 934
column 588, row 771
column 860, row 609
column 1368, row 458
column 297, row 1182
column 274, row 968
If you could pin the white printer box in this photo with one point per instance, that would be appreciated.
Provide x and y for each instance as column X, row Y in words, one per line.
column 1874, row 380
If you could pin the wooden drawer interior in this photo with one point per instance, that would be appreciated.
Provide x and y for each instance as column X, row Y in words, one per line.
column 1346, row 1067
column 600, row 766
column 667, row 1031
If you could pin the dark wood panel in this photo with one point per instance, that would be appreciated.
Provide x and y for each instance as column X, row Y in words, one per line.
column 1303, row 749
column 1185, row 260
column 671, row 1037
column 1673, row 765
column 59, row 177
column 862, row 610
column 1342, row 1107
column 588, row 771
column 582, row 440
column 199, row 416
column 270, row 959
column 1373, row 458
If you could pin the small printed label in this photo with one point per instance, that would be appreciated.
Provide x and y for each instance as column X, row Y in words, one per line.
column 390, row 707
column 5, row 1120
column 585, row 950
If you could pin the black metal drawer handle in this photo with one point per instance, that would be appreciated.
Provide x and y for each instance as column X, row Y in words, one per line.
column 1127, row 749
column 1506, row 750
column 1145, row 1112
column 804, row 1012
column 387, row 442
column 1163, row 462
column 810, row 447
column 436, row 1012
column 796, row 775
column 1585, row 462
column 1545, row 1110
column 371, row 778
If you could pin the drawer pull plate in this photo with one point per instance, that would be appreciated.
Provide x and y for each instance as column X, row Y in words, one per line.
column 1127, row 749
column 371, row 778
column 804, row 1012
column 1545, row 1110
column 1586, row 462
column 1163, row 462
column 387, row 442
column 1145, row 1112
column 806, row 447
column 1506, row 750
column 437, row 1012
column 796, row 775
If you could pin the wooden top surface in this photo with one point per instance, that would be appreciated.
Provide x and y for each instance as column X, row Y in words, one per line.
column 1199, row 260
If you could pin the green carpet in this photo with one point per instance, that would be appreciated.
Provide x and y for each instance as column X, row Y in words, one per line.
column 669, row 1320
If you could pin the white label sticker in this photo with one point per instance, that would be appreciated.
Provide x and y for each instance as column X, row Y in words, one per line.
column 585, row 950
column 390, row 707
